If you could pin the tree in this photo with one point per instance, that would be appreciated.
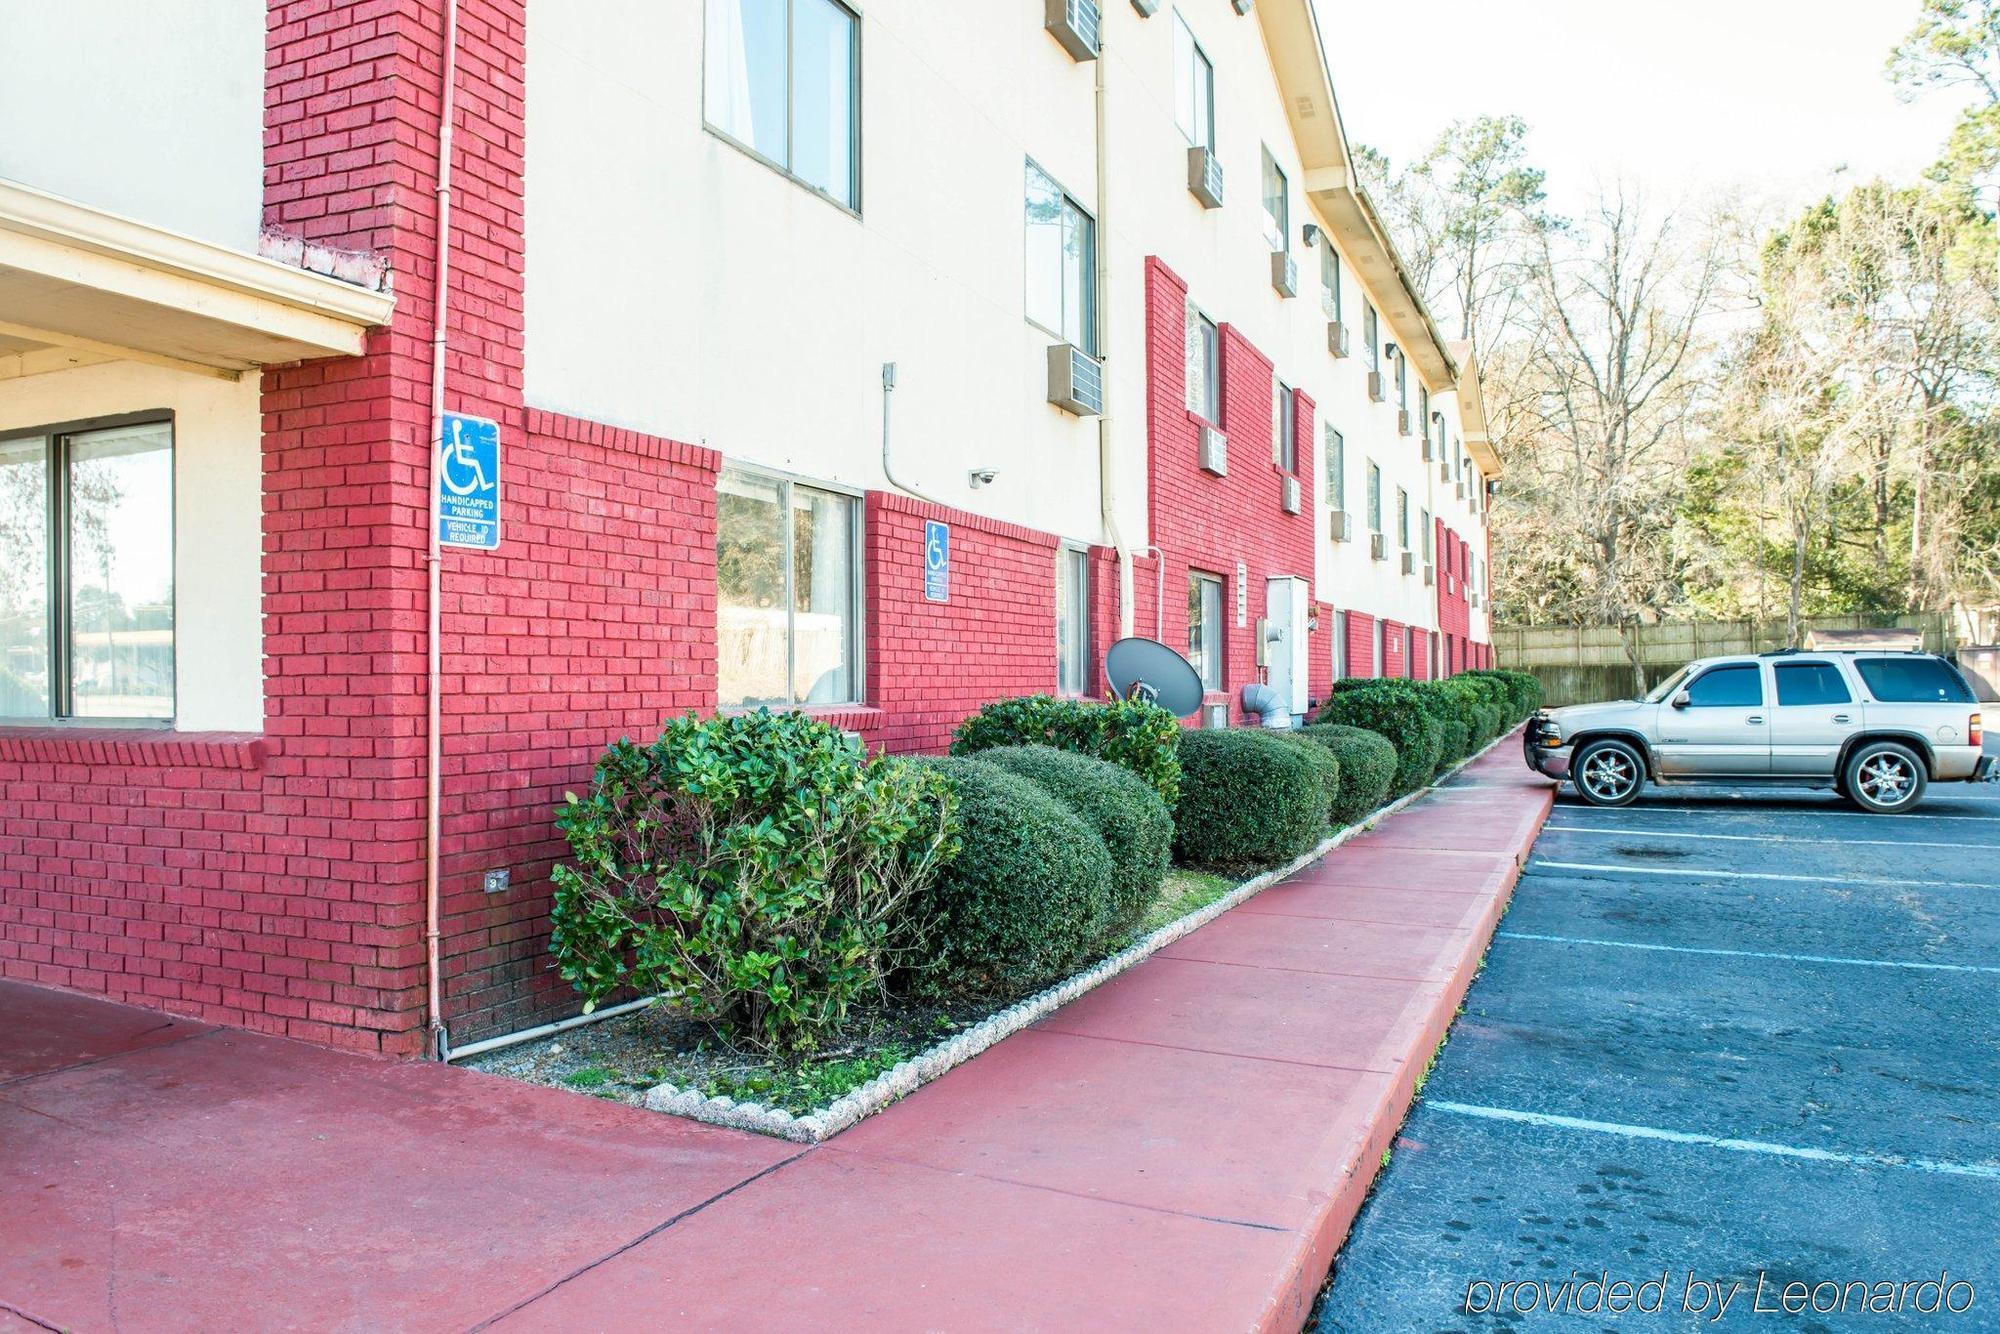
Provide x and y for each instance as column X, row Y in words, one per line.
column 1955, row 44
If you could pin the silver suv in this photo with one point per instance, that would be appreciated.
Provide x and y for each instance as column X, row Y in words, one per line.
column 1876, row 727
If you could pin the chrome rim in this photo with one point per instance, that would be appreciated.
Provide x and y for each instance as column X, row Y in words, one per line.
column 1608, row 774
column 1887, row 779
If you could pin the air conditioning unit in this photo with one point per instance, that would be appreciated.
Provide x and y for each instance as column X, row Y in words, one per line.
column 1444, row 469
column 1461, row 488
column 1430, row 574
column 1378, row 547
column 1146, row 8
column 1214, row 451
column 1290, row 499
column 1205, row 176
column 1375, row 385
column 1284, row 273
column 1402, row 421
column 1409, row 562
column 1336, row 338
column 1076, row 380
column 1429, row 452
column 1074, row 23
column 1475, row 600
column 1244, row 6
column 1339, row 524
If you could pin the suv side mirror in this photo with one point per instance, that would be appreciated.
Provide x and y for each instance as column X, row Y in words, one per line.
column 1681, row 700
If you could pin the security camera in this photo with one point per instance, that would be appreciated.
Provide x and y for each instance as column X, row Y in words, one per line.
column 981, row 477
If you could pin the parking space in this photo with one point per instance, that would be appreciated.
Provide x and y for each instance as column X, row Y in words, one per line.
column 1725, row 1033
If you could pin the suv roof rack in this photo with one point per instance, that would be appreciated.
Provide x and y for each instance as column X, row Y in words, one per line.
column 1780, row 653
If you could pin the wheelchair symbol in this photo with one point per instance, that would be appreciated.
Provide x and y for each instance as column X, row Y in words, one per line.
column 458, row 458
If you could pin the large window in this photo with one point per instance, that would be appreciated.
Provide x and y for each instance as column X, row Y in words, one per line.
column 87, row 574
column 1194, row 88
column 787, row 593
column 1277, row 215
column 1811, row 683
column 1062, row 263
column 1913, row 680
column 1204, row 367
column 1727, row 688
column 1205, row 628
column 1072, row 620
column 1336, row 470
column 1329, row 279
column 782, row 79
column 1284, row 427
column 1374, row 499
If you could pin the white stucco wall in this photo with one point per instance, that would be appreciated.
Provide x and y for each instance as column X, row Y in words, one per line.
column 150, row 108
column 218, row 646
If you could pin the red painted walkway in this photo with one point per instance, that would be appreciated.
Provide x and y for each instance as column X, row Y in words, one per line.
column 1182, row 1148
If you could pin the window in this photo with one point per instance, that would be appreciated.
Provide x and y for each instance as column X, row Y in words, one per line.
column 1062, row 263
column 1403, row 518
column 1377, row 648
column 1374, row 499
column 87, row 574
column 787, row 592
column 1371, row 334
column 1072, row 620
column 1284, row 427
column 1336, row 470
column 1205, row 628
column 1402, row 381
column 1329, row 279
column 1277, row 224
column 782, row 79
column 1913, row 680
column 1339, row 645
column 1727, row 688
column 1424, row 410
column 1424, row 534
column 1204, row 367
column 1811, row 683
column 1194, row 88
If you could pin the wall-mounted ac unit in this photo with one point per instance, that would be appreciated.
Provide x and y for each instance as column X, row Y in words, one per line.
column 1378, row 547
column 1402, row 421
column 1074, row 23
column 1076, row 380
column 1336, row 338
column 1214, row 451
column 1409, row 562
column 1339, row 524
column 1146, row 8
column 1244, row 6
column 1475, row 600
column 1429, row 452
column 1284, row 273
column 1444, row 469
column 1375, row 385
column 1290, row 496
column 1205, row 176
column 1461, row 488
column 1430, row 574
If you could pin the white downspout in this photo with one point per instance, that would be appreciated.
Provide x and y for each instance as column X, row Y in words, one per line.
column 434, row 557
column 888, row 461
column 1107, row 479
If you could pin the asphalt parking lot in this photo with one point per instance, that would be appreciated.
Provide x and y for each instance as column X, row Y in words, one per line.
column 1725, row 1033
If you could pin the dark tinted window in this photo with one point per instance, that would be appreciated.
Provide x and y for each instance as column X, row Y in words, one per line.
column 1726, row 687
column 1811, row 683
column 1913, row 680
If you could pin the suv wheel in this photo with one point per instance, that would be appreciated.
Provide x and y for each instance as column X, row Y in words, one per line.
column 1608, row 773
column 1883, row 777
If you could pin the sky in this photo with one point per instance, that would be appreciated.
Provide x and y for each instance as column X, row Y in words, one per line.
column 1688, row 101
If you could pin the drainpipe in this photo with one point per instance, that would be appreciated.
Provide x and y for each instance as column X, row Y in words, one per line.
column 1107, row 478
column 434, row 557
column 888, row 463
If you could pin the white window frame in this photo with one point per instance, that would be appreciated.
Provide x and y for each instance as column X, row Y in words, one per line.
column 1204, row 366
column 1371, row 332
column 1402, row 519
column 1284, row 428
column 853, row 113
column 1190, row 61
column 1073, row 574
column 1329, row 280
column 1087, row 285
column 1277, row 226
column 1215, row 633
column 1335, row 445
column 1374, row 475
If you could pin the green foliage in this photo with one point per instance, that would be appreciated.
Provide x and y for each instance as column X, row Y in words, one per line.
column 1521, row 690
column 1466, row 703
column 758, row 870
column 1142, row 737
column 804, row 1086
column 1248, row 798
column 1454, row 739
column 1129, row 816
column 1029, row 894
column 1403, row 715
column 1367, row 767
column 1323, row 762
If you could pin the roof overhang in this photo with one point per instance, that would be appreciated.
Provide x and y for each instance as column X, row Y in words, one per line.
column 78, row 285
column 1472, row 410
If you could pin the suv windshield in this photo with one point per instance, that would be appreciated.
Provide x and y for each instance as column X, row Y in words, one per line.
column 1913, row 680
column 1667, row 687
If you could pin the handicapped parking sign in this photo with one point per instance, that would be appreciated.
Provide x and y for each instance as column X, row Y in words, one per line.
column 937, row 561
column 468, row 482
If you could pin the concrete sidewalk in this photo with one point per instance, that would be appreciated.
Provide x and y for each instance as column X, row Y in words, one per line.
column 1183, row 1147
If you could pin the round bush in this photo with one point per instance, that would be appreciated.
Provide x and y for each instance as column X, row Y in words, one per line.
column 1029, row 892
column 1454, row 740
column 1367, row 767
column 1498, row 696
column 1399, row 713
column 1322, row 761
column 1139, row 736
column 1248, row 798
column 1127, row 814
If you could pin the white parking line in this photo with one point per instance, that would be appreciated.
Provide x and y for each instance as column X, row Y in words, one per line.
column 1706, row 873
column 1984, row 1170
column 1751, row 954
column 1761, row 838
column 1724, row 808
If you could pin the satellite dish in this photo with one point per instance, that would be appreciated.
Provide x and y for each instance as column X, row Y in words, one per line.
column 1149, row 670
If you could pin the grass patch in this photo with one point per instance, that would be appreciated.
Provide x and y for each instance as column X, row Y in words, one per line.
column 1184, row 892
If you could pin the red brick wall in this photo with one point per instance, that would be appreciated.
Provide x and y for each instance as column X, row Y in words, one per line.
column 1395, row 638
column 1453, row 610
column 1209, row 523
column 1360, row 644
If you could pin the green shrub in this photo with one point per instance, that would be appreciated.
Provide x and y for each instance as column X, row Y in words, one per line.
column 1133, row 734
column 1454, row 740
column 1029, row 893
column 1524, row 690
column 1248, row 798
column 758, row 870
column 1323, row 762
column 1402, row 715
column 1497, row 696
column 1129, row 816
column 1367, row 767
column 1466, row 702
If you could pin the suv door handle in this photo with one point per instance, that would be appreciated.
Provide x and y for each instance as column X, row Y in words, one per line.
column 1842, row 718
column 1755, row 720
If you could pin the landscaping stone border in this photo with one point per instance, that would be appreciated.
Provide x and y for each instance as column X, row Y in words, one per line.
column 908, row 1076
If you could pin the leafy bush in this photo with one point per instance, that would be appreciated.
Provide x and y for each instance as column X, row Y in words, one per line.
column 1524, row 691
column 1248, row 798
column 1467, row 702
column 1367, row 767
column 1454, row 740
column 1497, row 696
column 1127, row 814
column 1142, row 737
column 1323, row 762
column 758, row 870
column 1029, row 892
column 1404, row 717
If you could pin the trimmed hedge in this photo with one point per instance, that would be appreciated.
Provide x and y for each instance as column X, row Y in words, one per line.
column 1248, row 798
column 1523, row 690
column 1367, row 767
column 1129, row 816
column 1323, row 762
column 1142, row 737
column 1400, row 714
column 1467, row 702
column 1028, row 894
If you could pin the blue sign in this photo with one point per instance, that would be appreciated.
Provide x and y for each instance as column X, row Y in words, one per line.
column 468, row 482
column 937, row 561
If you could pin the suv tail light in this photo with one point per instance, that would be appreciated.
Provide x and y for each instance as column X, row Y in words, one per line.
column 1974, row 732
